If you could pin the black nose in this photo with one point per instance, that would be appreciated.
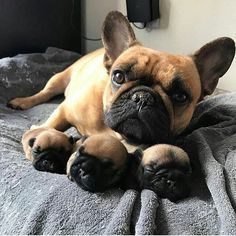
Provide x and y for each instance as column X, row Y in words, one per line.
column 142, row 99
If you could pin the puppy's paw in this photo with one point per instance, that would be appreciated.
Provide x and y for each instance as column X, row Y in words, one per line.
column 99, row 163
column 19, row 103
column 47, row 149
column 166, row 170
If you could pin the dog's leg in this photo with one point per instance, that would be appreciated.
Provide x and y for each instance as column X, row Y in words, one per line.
column 166, row 170
column 47, row 149
column 57, row 119
column 98, row 162
column 55, row 86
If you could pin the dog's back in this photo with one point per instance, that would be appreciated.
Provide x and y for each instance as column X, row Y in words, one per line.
column 87, row 71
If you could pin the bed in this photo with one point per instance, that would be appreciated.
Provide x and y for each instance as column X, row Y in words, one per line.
column 33, row 202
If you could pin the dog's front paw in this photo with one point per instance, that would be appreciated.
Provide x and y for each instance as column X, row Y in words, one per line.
column 166, row 170
column 99, row 163
column 20, row 103
column 47, row 149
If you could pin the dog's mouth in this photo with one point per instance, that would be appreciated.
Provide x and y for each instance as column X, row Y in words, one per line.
column 129, row 134
column 140, row 116
column 135, row 131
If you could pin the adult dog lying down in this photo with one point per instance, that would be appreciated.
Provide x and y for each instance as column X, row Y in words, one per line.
column 120, row 97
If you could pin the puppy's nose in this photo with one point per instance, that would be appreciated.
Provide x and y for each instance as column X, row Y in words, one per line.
column 142, row 99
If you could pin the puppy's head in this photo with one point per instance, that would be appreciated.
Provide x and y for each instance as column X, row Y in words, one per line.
column 151, row 95
column 166, row 170
column 98, row 163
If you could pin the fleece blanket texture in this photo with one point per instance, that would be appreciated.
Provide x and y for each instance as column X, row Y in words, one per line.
column 33, row 202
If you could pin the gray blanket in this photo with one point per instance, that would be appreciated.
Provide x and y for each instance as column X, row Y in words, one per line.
column 33, row 202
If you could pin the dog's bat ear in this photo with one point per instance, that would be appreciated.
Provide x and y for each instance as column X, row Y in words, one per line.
column 117, row 35
column 212, row 61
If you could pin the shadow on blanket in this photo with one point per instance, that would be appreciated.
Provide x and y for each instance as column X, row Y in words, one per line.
column 33, row 202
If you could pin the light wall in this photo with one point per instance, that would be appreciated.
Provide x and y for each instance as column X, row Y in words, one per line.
column 184, row 26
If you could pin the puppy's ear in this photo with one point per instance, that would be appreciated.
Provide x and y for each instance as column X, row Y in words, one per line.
column 117, row 36
column 212, row 61
column 138, row 154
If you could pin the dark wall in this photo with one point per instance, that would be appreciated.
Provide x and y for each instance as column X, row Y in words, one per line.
column 33, row 25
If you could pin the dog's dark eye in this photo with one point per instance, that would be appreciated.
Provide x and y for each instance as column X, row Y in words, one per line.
column 180, row 98
column 118, row 77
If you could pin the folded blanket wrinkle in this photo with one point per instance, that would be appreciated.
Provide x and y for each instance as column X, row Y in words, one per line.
column 33, row 202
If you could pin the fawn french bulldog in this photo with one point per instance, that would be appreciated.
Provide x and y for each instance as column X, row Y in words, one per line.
column 121, row 96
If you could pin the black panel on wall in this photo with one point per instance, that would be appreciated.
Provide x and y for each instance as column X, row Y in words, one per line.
column 33, row 25
column 142, row 10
